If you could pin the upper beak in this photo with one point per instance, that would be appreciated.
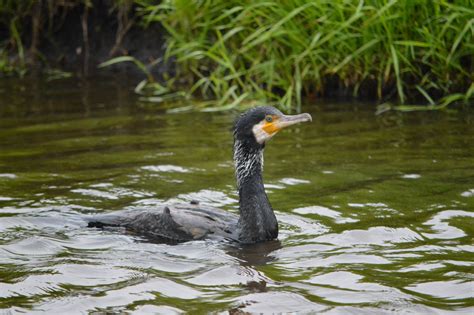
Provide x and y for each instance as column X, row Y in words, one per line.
column 288, row 120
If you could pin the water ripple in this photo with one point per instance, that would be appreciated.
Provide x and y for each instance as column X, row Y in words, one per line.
column 380, row 235
column 443, row 229
column 450, row 290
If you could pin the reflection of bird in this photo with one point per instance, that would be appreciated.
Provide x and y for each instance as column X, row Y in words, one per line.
column 256, row 222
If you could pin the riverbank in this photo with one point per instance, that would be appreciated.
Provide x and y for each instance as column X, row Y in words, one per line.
column 405, row 52
column 73, row 37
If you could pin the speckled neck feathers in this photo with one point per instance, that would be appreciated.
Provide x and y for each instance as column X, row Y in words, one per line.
column 257, row 222
column 247, row 161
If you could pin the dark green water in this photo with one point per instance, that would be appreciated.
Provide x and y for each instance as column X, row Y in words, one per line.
column 376, row 212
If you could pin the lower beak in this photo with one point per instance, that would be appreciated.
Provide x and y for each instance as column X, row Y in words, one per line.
column 288, row 120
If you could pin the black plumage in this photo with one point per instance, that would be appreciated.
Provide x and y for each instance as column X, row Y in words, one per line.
column 185, row 222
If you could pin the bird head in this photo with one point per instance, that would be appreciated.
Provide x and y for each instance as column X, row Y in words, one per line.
column 258, row 125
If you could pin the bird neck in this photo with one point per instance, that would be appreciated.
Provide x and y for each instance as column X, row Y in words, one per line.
column 257, row 221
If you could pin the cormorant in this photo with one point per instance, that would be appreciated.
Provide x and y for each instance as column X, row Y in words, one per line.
column 184, row 222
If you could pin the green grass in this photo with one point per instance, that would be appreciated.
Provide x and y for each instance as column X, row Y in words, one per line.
column 277, row 51
column 417, row 54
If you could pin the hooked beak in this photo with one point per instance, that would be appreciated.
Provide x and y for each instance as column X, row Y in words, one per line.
column 288, row 120
column 265, row 130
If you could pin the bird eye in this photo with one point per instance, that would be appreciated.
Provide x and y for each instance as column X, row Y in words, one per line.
column 269, row 118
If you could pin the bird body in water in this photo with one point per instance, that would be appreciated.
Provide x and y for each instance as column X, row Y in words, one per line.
column 185, row 222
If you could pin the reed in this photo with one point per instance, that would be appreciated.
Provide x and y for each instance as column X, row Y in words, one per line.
column 277, row 51
column 233, row 52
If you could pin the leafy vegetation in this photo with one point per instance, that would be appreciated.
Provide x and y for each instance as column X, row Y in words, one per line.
column 279, row 51
column 241, row 52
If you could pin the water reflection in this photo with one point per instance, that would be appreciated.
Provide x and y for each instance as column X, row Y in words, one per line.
column 442, row 228
column 254, row 254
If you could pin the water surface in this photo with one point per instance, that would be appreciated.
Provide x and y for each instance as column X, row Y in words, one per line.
column 375, row 212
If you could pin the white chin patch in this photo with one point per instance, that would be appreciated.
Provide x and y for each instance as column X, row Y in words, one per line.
column 261, row 135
